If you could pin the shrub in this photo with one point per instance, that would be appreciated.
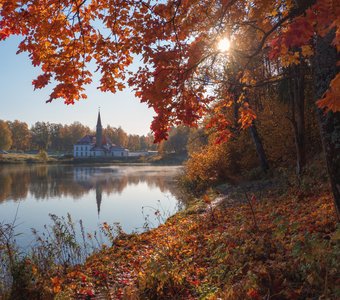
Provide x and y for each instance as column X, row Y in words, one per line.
column 218, row 163
column 43, row 155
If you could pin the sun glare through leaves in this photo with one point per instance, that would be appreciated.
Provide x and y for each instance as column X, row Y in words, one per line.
column 223, row 45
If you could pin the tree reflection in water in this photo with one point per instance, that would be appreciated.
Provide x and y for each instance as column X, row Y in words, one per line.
column 43, row 182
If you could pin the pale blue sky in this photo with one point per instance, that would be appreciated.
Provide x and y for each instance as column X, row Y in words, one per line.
column 19, row 101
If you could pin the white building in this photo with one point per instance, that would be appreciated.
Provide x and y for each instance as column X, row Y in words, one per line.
column 97, row 145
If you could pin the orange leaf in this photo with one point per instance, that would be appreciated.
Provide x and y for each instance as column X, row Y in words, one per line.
column 207, row 199
column 331, row 100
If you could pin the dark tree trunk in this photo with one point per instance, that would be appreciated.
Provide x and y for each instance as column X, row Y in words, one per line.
column 325, row 70
column 259, row 147
column 236, row 108
column 298, row 117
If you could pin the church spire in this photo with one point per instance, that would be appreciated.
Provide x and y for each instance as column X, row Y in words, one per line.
column 99, row 131
column 99, row 121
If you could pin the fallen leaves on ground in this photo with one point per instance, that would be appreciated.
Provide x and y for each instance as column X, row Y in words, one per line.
column 293, row 254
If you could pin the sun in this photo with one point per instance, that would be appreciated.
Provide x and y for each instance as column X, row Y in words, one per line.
column 223, row 45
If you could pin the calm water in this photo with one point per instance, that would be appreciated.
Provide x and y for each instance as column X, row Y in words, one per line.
column 94, row 194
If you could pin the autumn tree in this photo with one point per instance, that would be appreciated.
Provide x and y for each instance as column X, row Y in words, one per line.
column 122, row 137
column 177, row 43
column 110, row 133
column 65, row 138
column 5, row 136
column 21, row 135
column 68, row 135
column 133, row 142
column 197, row 139
column 318, row 24
column 177, row 140
column 291, row 91
column 326, row 65
column 77, row 131
column 151, row 142
column 116, row 135
column 144, row 143
column 56, row 137
column 41, row 137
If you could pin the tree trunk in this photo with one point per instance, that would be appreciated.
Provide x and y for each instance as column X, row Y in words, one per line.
column 259, row 147
column 298, row 108
column 325, row 70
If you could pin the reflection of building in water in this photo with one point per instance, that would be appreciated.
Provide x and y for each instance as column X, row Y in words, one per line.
column 99, row 195
column 92, row 178
column 98, row 145
column 101, row 180
column 83, row 173
column 19, row 182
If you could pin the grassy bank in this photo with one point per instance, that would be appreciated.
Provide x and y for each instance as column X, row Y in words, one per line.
column 254, row 241
column 17, row 158
column 168, row 159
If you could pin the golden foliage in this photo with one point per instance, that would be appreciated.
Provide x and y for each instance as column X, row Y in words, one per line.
column 216, row 163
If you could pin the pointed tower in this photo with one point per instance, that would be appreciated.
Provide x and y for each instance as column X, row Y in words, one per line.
column 99, row 132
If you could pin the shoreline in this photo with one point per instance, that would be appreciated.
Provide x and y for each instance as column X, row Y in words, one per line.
column 237, row 241
column 16, row 159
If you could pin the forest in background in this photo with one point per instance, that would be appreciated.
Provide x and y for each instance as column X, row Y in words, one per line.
column 17, row 136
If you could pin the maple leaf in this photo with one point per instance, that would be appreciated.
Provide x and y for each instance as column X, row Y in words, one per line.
column 4, row 33
column 307, row 51
column 331, row 99
column 41, row 81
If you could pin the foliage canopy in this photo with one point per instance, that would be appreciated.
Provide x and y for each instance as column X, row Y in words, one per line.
column 176, row 41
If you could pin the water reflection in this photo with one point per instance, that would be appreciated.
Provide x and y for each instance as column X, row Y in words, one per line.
column 19, row 182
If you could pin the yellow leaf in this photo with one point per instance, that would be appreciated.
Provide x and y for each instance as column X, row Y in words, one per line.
column 274, row 13
column 307, row 51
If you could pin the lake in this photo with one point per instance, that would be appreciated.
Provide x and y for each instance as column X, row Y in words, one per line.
column 129, row 195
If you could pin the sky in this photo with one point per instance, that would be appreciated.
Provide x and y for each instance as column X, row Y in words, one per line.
column 19, row 101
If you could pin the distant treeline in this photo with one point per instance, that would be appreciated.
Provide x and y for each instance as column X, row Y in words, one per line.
column 18, row 136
